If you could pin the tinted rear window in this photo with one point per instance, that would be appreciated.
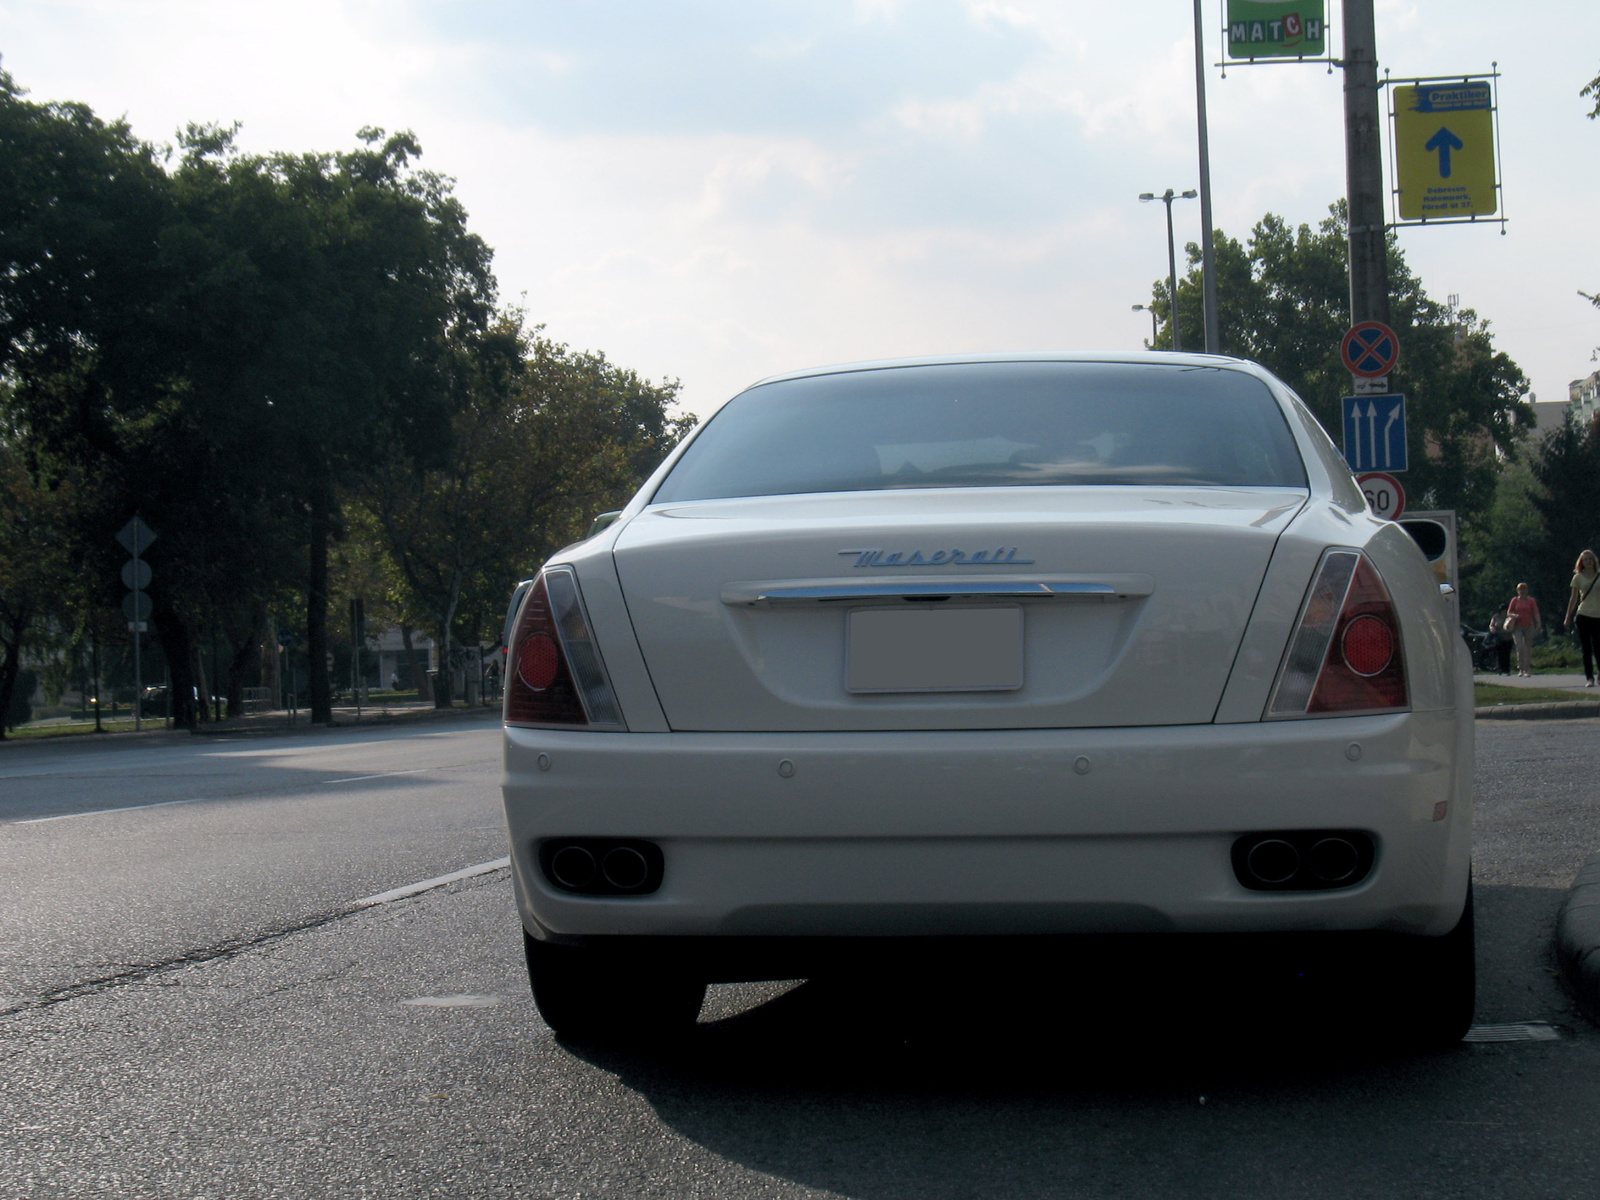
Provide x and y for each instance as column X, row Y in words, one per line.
column 992, row 425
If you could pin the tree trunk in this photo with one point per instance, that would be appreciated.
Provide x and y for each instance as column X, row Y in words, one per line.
column 173, row 634
column 9, row 666
column 443, row 694
column 241, row 630
column 317, row 609
column 202, row 685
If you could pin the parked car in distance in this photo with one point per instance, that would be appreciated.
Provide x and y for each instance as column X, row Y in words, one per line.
column 999, row 650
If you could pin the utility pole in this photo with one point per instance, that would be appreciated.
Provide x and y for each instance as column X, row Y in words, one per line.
column 1369, row 268
column 1208, row 259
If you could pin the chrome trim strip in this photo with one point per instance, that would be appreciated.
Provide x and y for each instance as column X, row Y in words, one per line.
column 816, row 591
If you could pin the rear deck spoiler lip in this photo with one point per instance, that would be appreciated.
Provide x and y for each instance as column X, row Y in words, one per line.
column 1036, row 587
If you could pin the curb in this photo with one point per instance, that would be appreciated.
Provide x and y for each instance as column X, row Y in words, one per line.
column 1578, row 938
column 1555, row 710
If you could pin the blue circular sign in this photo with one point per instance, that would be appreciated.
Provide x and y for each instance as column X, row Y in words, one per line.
column 1370, row 349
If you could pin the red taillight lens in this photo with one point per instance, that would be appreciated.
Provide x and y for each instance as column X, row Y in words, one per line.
column 540, row 691
column 539, row 661
column 1367, row 645
column 1345, row 654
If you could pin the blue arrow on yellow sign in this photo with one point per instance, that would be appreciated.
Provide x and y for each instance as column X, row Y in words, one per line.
column 1444, row 150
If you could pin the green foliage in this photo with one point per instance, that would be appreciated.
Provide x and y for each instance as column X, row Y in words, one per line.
column 546, row 437
column 1568, row 472
column 221, row 346
column 35, row 572
column 1504, row 548
column 1283, row 301
column 1592, row 88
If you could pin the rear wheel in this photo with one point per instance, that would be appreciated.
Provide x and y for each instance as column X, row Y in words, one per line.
column 1437, row 985
column 611, row 995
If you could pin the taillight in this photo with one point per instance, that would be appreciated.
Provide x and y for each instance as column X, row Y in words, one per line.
column 555, row 676
column 1345, row 655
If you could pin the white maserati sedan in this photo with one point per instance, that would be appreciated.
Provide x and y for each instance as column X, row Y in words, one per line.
column 987, row 649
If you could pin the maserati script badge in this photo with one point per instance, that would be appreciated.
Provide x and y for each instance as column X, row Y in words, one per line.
column 1000, row 556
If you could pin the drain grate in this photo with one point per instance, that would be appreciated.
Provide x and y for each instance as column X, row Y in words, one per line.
column 1527, row 1031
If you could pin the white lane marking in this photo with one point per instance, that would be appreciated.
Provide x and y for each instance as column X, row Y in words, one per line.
column 461, row 1001
column 427, row 885
column 95, row 812
column 379, row 775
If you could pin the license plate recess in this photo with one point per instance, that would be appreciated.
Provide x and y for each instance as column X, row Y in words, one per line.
column 927, row 649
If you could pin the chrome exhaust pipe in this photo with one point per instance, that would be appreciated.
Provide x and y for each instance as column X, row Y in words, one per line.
column 1272, row 861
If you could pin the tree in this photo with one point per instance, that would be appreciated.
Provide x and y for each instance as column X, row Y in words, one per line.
column 34, row 570
column 345, row 280
column 1283, row 300
column 545, row 439
column 1592, row 88
column 1568, row 504
column 1507, row 546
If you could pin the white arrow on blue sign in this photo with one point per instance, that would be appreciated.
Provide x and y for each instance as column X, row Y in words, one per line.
column 1375, row 433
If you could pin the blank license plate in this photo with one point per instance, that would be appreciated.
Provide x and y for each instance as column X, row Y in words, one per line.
column 934, row 650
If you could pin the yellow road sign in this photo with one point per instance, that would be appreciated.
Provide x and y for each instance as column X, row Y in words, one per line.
column 1444, row 149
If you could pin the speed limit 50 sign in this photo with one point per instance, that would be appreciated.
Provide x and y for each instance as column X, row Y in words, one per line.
column 1385, row 497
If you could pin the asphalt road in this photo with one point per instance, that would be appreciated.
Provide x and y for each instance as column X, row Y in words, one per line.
column 392, row 1051
column 139, row 851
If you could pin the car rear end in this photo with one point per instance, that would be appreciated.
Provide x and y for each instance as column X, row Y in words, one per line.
column 1013, row 647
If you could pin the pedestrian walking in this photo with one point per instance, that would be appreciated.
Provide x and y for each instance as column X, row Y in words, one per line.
column 1525, row 622
column 1583, row 606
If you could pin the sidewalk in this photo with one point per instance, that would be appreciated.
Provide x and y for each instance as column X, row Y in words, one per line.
column 1585, row 701
column 1573, row 681
column 277, row 721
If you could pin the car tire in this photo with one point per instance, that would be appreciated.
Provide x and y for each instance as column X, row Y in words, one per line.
column 1437, row 990
column 611, row 995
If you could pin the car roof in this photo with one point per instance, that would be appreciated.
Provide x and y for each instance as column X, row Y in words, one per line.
column 1138, row 357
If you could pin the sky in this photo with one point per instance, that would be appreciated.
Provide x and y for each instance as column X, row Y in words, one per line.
column 714, row 191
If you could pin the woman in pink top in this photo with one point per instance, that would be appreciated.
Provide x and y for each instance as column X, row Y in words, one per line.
column 1525, row 622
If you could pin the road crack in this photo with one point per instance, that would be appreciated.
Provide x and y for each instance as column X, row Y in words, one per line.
column 142, row 972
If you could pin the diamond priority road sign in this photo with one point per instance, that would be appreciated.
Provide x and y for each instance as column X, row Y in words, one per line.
column 1375, row 433
column 1444, row 150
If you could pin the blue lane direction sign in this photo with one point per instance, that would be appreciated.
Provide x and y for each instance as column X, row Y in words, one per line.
column 1375, row 433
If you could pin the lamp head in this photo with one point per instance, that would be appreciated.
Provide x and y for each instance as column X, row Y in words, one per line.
column 1190, row 194
column 1145, row 197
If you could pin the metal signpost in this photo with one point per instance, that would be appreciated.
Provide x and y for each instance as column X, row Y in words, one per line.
column 1374, row 418
column 1444, row 149
column 288, row 676
column 358, row 635
column 135, row 537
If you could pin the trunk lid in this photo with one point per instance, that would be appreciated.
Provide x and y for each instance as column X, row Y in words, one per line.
column 1017, row 607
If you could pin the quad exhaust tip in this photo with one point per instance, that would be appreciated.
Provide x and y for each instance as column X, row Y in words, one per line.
column 1303, row 860
column 602, row 866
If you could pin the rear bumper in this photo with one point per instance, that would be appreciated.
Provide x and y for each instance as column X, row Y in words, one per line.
column 994, row 832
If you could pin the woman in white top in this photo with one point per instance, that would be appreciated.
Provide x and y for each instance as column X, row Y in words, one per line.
column 1584, row 606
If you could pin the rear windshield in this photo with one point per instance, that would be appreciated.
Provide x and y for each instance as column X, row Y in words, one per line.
column 992, row 425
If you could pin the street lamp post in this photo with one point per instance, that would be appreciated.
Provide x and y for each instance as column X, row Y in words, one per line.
column 1168, row 197
column 1151, row 309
